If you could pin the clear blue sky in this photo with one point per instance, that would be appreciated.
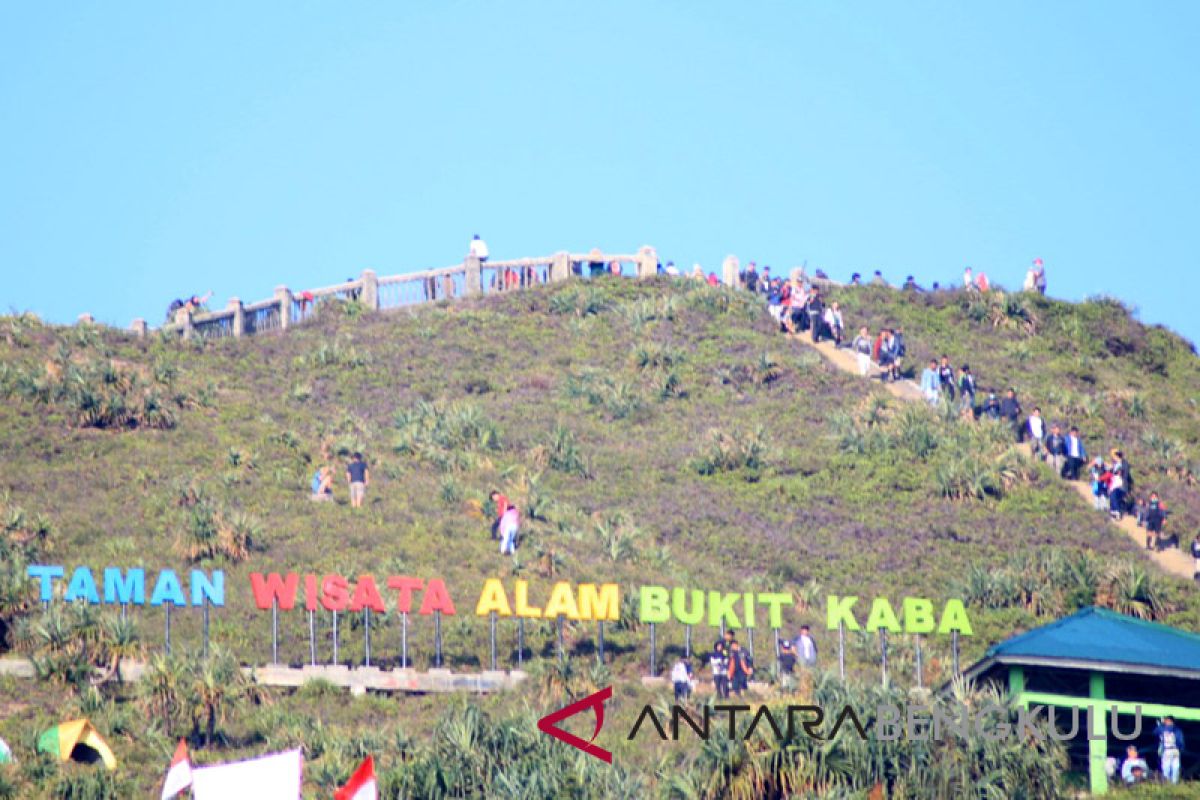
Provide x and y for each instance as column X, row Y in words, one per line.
column 158, row 149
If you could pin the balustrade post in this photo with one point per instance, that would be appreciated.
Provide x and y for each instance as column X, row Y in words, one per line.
column 560, row 268
column 370, row 289
column 729, row 270
column 647, row 262
column 283, row 296
column 474, row 275
column 239, row 317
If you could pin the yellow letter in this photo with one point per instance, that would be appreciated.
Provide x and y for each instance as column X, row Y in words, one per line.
column 492, row 598
column 602, row 604
column 840, row 609
column 954, row 618
column 521, row 601
column 562, row 602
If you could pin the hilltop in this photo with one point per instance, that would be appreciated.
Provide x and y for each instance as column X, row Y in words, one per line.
column 653, row 431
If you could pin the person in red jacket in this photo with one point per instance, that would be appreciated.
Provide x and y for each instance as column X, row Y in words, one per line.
column 501, row 503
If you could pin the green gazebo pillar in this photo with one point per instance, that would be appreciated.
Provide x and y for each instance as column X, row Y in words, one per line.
column 1097, row 735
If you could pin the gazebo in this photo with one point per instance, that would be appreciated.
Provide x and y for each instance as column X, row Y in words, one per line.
column 1099, row 658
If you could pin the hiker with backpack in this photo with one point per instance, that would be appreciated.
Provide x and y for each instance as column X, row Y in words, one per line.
column 946, row 378
column 1118, row 486
column 1100, row 477
column 966, row 389
column 814, row 308
column 718, row 662
column 741, row 667
column 1156, row 516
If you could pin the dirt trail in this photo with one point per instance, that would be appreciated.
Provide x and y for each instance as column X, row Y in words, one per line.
column 1171, row 560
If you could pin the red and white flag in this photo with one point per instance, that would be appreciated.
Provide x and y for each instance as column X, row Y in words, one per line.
column 179, row 774
column 362, row 785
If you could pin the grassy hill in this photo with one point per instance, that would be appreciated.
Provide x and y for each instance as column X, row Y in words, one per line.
column 653, row 432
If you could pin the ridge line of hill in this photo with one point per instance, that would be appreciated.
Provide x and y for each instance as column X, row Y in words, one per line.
column 1172, row 560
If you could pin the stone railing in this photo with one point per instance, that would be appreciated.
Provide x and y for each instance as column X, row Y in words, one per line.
column 471, row 278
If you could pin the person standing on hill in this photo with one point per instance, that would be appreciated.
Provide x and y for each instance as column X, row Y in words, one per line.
column 478, row 248
column 1035, row 427
column 1039, row 281
column 834, row 324
column 501, row 504
column 1170, row 744
column 931, row 384
column 814, row 307
column 806, row 647
column 946, row 378
column 878, row 280
column 718, row 661
column 1196, row 558
column 899, row 352
column 862, row 350
column 681, row 676
column 1076, row 454
column 1118, row 485
column 787, row 667
column 1056, row 449
column 359, row 477
column 1010, row 410
column 740, row 669
column 966, row 389
column 750, row 277
column 510, row 525
column 1156, row 515
column 991, row 407
column 968, row 280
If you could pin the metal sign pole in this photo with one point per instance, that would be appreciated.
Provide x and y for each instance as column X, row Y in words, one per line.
column 520, row 642
column 687, row 641
column 562, row 654
column 206, row 627
column 750, row 641
column 883, row 655
column 954, row 647
column 920, row 676
column 776, row 632
column 335, row 638
column 274, row 631
column 653, row 652
column 600, row 640
column 367, row 634
column 312, row 638
column 842, row 649
column 167, row 626
column 404, row 640
column 437, row 636
column 492, row 633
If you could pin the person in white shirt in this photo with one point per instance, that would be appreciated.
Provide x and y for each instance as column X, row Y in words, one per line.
column 681, row 677
column 833, row 321
column 1036, row 427
column 806, row 648
column 1030, row 284
column 479, row 248
column 862, row 350
column 968, row 279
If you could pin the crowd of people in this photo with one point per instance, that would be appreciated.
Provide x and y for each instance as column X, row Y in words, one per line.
column 731, row 666
column 358, row 477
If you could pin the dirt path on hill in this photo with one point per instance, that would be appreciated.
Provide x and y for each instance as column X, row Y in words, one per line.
column 1172, row 560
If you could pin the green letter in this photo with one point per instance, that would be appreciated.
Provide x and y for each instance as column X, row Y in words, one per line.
column 918, row 615
column 653, row 604
column 774, row 602
column 882, row 616
column 720, row 607
column 840, row 610
column 679, row 607
column 954, row 618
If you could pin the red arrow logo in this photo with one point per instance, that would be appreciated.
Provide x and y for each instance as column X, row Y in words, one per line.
column 548, row 724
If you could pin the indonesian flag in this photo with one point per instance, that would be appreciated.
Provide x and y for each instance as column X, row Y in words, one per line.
column 179, row 774
column 273, row 777
column 361, row 785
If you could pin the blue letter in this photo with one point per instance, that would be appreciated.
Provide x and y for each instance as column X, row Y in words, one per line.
column 167, row 588
column 82, row 585
column 213, row 591
column 47, row 576
column 128, row 589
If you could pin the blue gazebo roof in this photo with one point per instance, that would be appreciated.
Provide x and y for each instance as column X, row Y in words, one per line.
column 1100, row 639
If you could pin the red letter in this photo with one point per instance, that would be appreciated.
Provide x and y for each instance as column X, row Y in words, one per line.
column 310, row 592
column 404, row 585
column 366, row 594
column 335, row 593
column 274, row 588
column 436, row 598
